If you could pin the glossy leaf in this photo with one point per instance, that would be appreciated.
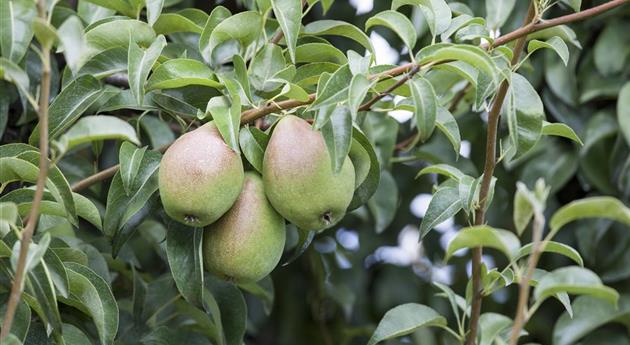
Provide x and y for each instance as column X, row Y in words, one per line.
column 337, row 134
column 71, row 102
column 183, row 248
column 289, row 16
column 498, row 11
column 396, row 22
column 405, row 319
column 623, row 111
column 75, row 49
column 117, row 33
column 484, row 236
column 552, row 247
column 554, row 43
column 383, row 204
column 447, row 124
column 442, row 169
column 92, row 295
column 96, row 128
column 560, row 130
column 444, row 204
column 16, row 30
column 425, row 107
column 525, row 114
column 242, row 28
column 130, row 158
column 140, row 62
column 436, row 12
column 253, row 144
column 593, row 207
column 574, row 280
column 338, row 28
column 366, row 188
column 181, row 72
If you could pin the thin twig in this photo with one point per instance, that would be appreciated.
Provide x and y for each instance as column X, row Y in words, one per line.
column 545, row 24
column 399, row 83
column 27, row 233
column 523, row 294
column 488, row 172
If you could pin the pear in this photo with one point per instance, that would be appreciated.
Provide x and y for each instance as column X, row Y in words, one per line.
column 247, row 242
column 200, row 177
column 299, row 180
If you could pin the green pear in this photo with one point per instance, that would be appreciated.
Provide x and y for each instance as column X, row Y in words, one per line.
column 247, row 242
column 200, row 177
column 299, row 179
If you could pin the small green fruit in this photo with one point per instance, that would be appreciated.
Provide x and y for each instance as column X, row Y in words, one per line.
column 247, row 242
column 299, row 180
column 200, row 177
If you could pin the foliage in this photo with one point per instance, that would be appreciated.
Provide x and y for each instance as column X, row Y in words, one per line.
column 127, row 77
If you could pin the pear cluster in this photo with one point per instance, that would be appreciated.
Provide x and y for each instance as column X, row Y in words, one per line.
column 203, row 184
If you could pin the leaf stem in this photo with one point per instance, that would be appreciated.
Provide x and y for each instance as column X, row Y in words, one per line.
column 27, row 233
column 488, row 172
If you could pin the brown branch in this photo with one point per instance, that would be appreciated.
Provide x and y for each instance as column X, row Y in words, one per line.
column 488, row 172
column 27, row 233
column 368, row 105
column 523, row 294
column 545, row 24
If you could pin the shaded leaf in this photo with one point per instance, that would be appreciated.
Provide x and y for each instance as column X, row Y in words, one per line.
column 96, row 128
column 405, row 319
column 574, row 280
column 484, row 236
column 183, row 249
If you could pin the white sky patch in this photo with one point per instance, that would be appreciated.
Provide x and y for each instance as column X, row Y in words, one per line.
column 446, row 238
column 349, row 239
column 385, row 54
column 420, row 204
column 408, row 251
column 401, row 115
column 486, row 259
column 464, row 149
column 362, row 6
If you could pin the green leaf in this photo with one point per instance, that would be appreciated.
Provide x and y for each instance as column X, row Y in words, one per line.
column 562, row 31
column 91, row 13
column 34, row 253
column 334, row 91
column 72, row 39
column 92, row 295
column 319, row 52
column 39, row 285
column 337, row 134
column 232, row 307
column 623, row 111
column 444, row 204
column 154, row 9
column 227, row 119
column 266, row 66
column 87, row 210
column 13, row 73
column 405, row 319
column 158, row 131
column 140, row 62
column 253, row 143
column 525, row 114
column 491, row 327
column 106, row 63
column 589, row 313
column 555, row 43
column 130, row 158
column 551, row 247
column 396, row 22
column 263, row 290
column 497, row 12
column 442, row 169
column 384, row 203
column 183, row 249
column 484, row 236
column 58, row 273
column 524, row 204
column 169, row 23
column 612, row 48
column 359, row 87
column 473, row 56
column 593, row 207
column 241, row 76
column 560, row 130
column 181, row 72
column 425, row 107
column 122, row 207
column 436, row 12
column 242, row 28
column 96, row 128
column 573, row 280
column 121, row 6
column 338, row 28
column 366, row 187
column 66, row 108
column 289, row 16
column 21, row 321
column 218, row 14
column 293, row 91
column 117, row 33
column 16, row 17
column 447, row 124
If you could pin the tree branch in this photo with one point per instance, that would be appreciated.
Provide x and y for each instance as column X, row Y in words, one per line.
column 27, row 233
column 488, row 172
column 545, row 24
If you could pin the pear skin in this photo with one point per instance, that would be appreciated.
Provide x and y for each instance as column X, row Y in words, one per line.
column 299, row 179
column 246, row 244
column 200, row 177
